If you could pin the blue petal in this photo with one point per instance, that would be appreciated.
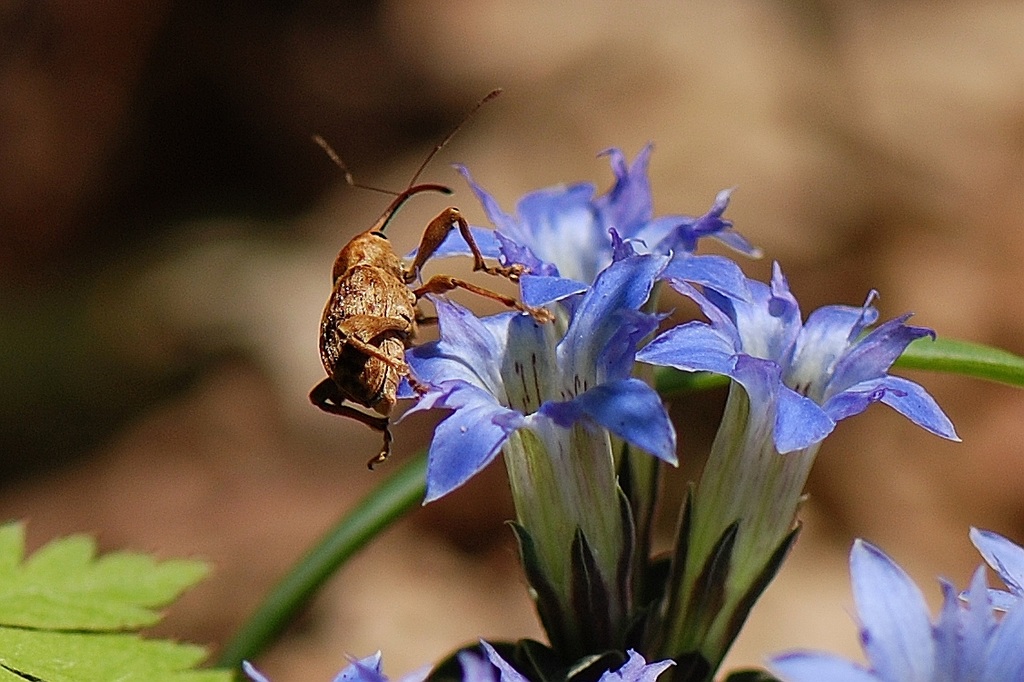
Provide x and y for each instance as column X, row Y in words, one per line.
column 508, row 673
column 513, row 252
column 946, row 633
column 470, row 348
column 913, row 402
column 691, row 347
column 896, row 632
column 825, row 337
column 252, row 673
column 467, row 440
column 455, row 245
column 636, row 669
column 977, row 623
column 799, row 422
column 628, row 204
column 875, row 353
column 540, row 291
column 813, row 667
column 623, row 286
column 364, row 670
column 1005, row 558
column 476, row 667
column 501, row 220
column 1005, row 659
column 715, row 272
column 628, row 408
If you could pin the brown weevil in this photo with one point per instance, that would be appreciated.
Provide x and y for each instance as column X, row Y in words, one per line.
column 370, row 318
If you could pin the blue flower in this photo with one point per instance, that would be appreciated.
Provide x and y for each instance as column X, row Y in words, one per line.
column 968, row 643
column 565, row 235
column 814, row 373
column 1006, row 559
column 792, row 381
column 553, row 398
column 507, row 372
column 363, row 670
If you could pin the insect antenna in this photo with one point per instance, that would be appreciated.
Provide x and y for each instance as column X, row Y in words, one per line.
column 411, row 189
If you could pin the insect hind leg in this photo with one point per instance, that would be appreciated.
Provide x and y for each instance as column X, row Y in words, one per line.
column 326, row 396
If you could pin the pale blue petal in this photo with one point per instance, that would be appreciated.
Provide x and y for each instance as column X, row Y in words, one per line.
column 508, row 673
column 800, row 422
column 364, row 670
column 1005, row 558
column 977, row 625
column 913, row 402
column 467, row 440
column 455, row 245
column 636, row 669
column 540, row 291
column 691, row 347
column 476, row 667
column 826, row 336
column 1005, row 660
column 623, row 286
column 895, row 628
column 470, row 348
column 874, row 354
column 628, row 408
column 814, row 667
column 501, row 220
column 715, row 272
column 948, row 659
column 628, row 204
column 252, row 673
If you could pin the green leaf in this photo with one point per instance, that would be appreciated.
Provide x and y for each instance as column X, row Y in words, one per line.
column 64, row 614
column 964, row 357
column 87, row 657
column 64, row 586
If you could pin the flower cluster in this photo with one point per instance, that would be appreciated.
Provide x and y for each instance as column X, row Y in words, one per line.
column 969, row 642
column 569, row 405
column 579, row 428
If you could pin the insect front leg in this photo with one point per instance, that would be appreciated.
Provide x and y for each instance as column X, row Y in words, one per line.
column 326, row 396
column 435, row 234
column 440, row 284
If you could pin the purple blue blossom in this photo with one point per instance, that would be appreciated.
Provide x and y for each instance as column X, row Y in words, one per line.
column 552, row 397
column 507, row 372
column 968, row 642
column 814, row 373
column 793, row 380
column 563, row 234
column 1006, row 559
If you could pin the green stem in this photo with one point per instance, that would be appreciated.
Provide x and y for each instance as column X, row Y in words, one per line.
column 396, row 496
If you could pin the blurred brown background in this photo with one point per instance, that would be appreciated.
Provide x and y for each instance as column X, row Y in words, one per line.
column 167, row 230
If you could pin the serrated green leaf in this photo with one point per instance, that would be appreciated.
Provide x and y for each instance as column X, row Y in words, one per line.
column 64, row 586
column 92, row 657
column 60, row 608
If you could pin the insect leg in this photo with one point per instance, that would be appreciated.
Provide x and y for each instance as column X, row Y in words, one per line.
column 325, row 396
column 435, row 234
column 440, row 284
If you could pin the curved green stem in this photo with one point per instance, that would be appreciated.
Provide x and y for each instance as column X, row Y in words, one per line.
column 400, row 493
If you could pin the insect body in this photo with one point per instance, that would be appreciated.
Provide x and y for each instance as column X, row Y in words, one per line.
column 370, row 317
